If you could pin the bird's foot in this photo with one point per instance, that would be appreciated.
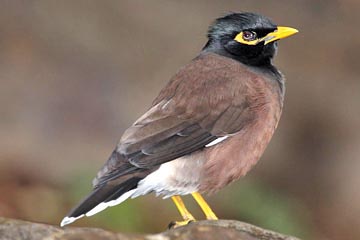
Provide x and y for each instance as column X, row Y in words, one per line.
column 176, row 224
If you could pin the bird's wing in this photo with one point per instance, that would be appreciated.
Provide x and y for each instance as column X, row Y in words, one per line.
column 201, row 104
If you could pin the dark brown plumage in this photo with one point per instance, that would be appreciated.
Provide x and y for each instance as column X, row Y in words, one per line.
column 208, row 126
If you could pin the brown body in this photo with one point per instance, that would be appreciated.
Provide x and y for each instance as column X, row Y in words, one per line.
column 208, row 126
column 234, row 100
column 234, row 157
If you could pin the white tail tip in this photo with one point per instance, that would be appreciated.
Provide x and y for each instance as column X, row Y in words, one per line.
column 68, row 220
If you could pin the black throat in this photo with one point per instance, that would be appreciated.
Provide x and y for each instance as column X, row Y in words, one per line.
column 255, row 57
column 260, row 63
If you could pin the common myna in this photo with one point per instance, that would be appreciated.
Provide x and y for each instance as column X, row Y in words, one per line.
column 206, row 128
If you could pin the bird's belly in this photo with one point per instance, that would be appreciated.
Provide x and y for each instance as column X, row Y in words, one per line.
column 178, row 177
column 234, row 157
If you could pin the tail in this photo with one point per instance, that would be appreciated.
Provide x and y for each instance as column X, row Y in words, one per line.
column 106, row 195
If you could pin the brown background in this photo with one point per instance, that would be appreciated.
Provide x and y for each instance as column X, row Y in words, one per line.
column 75, row 74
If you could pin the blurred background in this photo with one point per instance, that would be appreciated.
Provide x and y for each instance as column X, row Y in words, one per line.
column 75, row 74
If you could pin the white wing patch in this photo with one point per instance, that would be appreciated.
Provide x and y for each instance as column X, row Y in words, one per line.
column 216, row 141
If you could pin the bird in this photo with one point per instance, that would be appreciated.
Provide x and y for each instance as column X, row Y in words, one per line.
column 207, row 127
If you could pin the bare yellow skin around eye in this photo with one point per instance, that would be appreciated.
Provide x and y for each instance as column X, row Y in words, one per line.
column 240, row 38
column 279, row 33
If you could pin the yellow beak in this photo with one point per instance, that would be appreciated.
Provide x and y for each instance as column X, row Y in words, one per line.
column 281, row 32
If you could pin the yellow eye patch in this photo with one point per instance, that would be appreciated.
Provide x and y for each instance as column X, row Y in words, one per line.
column 240, row 38
column 279, row 33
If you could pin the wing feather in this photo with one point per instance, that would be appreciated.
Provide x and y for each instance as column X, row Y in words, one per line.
column 189, row 113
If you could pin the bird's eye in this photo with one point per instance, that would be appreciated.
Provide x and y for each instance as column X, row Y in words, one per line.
column 249, row 35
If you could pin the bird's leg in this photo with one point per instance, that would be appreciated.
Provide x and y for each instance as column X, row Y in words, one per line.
column 186, row 215
column 210, row 215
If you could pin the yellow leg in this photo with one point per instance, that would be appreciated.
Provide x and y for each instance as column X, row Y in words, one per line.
column 186, row 215
column 210, row 215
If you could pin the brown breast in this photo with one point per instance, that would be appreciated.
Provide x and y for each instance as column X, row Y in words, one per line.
column 234, row 157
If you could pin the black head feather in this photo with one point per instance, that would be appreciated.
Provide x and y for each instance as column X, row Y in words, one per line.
column 222, row 32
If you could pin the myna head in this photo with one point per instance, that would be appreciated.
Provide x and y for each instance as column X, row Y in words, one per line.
column 247, row 37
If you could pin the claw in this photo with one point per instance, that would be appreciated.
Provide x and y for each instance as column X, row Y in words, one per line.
column 176, row 224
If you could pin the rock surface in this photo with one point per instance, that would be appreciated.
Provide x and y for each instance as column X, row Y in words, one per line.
column 11, row 229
